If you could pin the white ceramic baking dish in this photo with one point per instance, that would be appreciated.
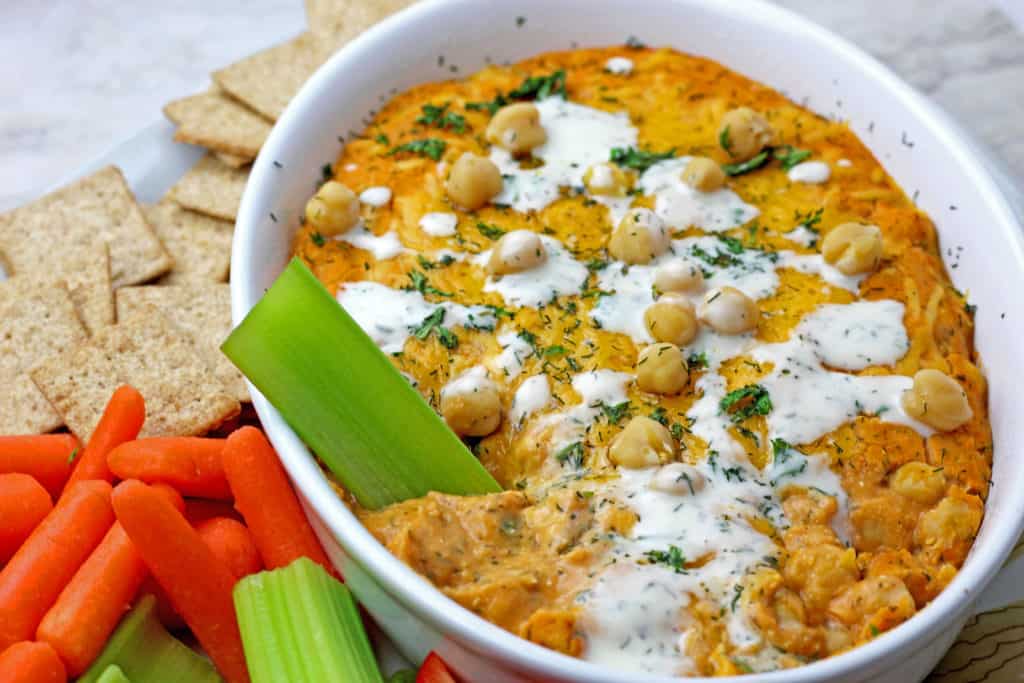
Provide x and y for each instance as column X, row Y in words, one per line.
column 932, row 161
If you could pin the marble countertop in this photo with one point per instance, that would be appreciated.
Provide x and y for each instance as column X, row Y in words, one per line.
column 78, row 76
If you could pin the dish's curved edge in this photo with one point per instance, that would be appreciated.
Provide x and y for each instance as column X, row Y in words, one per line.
column 482, row 636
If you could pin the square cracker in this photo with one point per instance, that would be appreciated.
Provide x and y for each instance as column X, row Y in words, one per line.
column 202, row 310
column 183, row 396
column 37, row 321
column 267, row 80
column 200, row 245
column 343, row 20
column 215, row 121
column 211, row 187
column 75, row 219
column 88, row 278
column 232, row 160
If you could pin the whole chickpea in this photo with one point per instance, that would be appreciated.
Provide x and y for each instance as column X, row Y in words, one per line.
column 515, row 252
column 517, row 128
column 474, row 181
column 853, row 248
column 333, row 210
column 662, row 369
column 919, row 481
column 672, row 319
column 471, row 405
column 743, row 133
column 678, row 275
column 606, row 180
column 729, row 311
column 643, row 443
column 704, row 174
column 938, row 400
column 639, row 237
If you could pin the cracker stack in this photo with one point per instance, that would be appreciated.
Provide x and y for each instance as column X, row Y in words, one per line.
column 101, row 291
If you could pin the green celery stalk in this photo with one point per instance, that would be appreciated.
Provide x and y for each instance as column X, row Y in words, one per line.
column 144, row 652
column 301, row 625
column 113, row 674
column 346, row 400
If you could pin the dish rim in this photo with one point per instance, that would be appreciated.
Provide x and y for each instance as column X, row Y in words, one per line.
column 419, row 596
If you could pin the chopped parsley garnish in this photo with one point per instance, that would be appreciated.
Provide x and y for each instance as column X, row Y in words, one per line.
column 491, row 232
column 326, row 173
column 673, row 557
column 747, row 166
column 500, row 312
column 440, row 117
column 616, row 412
column 381, row 139
column 556, row 350
column 421, row 285
column 724, row 141
column 447, row 337
column 494, row 105
column 790, row 156
column 317, row 238
column 737, row 592
column 747, row 401
column 677, row 430
column 571, row 455
column 74, row 454
column 432, row 323
column 780, row 449
column 540, row 87
column 810, row 219
column 731, row 243
column 698, row 360
column 719, row 258
column 637, row 159
column 425, row 263
column 659, row 414
column 596, row 264
column 425, row 147
column 634, row 43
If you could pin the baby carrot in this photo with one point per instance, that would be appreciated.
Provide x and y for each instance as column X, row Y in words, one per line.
column 24, row 503
column 43, row 565
column 90, row 606
column 198, row 584
column 28, row 662
column 266, row 500
column 45, row 457
column 122, row 420
column 232, row 544
column 191, row 464
column 198, row 510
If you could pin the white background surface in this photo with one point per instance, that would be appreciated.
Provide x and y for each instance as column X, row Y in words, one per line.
column 77, row 76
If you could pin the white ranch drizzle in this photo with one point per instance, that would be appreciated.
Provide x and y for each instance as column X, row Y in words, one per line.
column 469, row 382
column 596, row 388
column 681, row 206
column 560, row 274
column 532, row 395
column 439, row 224
column 375, row 196
column 803, row 236
column 578, row 137
column 389, row 316
column 620, row 66
column 383, row 247
column 514, row 352
column 812, row 172
column 844, row 163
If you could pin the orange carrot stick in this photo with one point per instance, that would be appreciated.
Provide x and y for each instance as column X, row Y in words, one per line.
column 198, row 584
column 122, row 420
column 268, row 503
column 45, row 457
column 198, row 510
column 192, row 465
column 43, row 565
column 232, row 544
column 90, row 606
column 28, row 662
column 24, row 503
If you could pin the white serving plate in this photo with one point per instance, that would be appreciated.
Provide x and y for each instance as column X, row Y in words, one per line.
column 920, row 147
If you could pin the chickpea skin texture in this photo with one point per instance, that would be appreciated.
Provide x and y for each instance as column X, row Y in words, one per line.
column 516, row 128
column 643, row 443
column 678, row 275
column 662, row 369
column 938, row 400
column 515, row 252
column 853, row 248
column 704, row 174
column 473, row 182
column 639, row 237
column 471, row 406
column 671, row 319
column 607, row 180
column 729, row 311
column 333, row 210
column 919, row 481
column 743, row 133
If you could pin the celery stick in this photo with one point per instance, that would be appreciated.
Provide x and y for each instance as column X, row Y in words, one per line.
column 403, row 676
column 113, row 674
column 145, row 652
column 343, row 397
column 301, row 625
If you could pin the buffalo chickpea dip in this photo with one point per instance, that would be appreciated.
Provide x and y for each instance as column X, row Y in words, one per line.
column 703, row 341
